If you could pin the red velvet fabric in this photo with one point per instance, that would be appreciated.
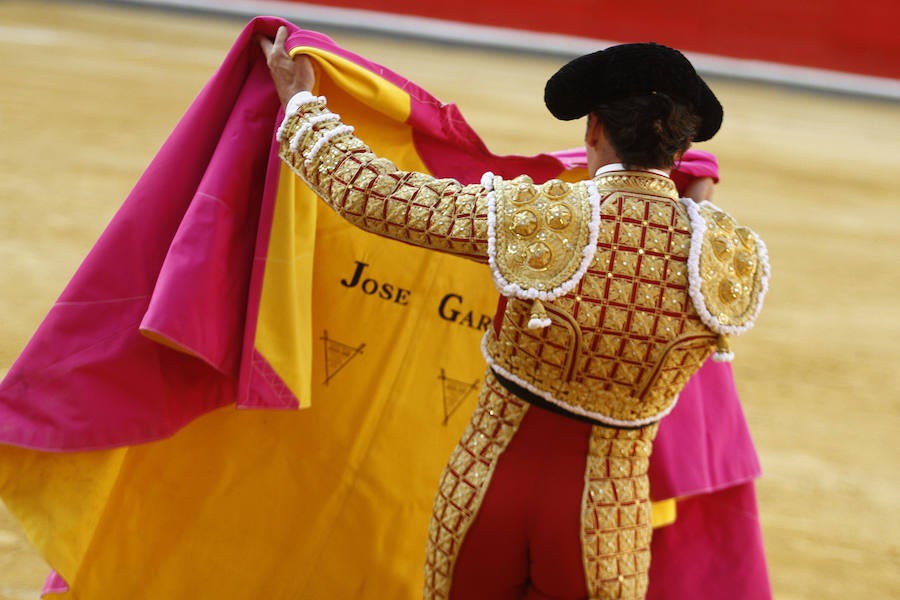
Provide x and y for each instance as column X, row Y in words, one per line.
column 526, row 540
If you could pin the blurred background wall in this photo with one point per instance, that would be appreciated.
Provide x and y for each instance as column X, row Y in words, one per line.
column 840, row 35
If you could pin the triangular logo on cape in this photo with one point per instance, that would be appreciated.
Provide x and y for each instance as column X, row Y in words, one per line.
column 455, row 393
column 337, row 355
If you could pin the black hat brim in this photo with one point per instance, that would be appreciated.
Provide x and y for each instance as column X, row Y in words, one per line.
column 590, row 81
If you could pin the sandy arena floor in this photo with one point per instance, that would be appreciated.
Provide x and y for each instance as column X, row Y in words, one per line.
column 91, row 92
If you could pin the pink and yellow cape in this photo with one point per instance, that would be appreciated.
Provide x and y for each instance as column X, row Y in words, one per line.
column 222, row 284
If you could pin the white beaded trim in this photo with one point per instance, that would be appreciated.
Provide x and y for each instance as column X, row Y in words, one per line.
column 324, row 139
column 309, row 124
column 301, row 99
column 723, row 356
column 698, row 226
column 487, row 181
column 590, row 249
column 539, row 323
column 297, row 101
column 567, row 407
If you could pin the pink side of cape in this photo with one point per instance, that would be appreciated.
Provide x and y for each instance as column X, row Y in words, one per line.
column 713, row 550
column 175, row 259
column 54, row 584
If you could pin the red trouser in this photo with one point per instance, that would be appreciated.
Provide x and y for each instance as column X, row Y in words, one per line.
column 523, row 538
column 526, row 540
column 531, row 501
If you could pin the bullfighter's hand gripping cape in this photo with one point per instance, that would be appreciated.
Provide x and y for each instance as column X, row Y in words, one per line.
column 223, row 283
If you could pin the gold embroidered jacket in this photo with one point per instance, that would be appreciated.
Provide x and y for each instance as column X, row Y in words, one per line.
column 617, row 290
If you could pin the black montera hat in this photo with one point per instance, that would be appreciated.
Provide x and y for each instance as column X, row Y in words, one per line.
column 618, row 72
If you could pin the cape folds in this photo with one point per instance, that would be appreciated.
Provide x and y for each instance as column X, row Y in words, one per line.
column 222, row 282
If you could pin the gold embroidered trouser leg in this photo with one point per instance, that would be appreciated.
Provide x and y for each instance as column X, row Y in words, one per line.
column 465, row 481
column 615, row 518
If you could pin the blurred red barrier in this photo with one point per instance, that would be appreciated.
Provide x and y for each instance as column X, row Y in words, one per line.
column 857, row 37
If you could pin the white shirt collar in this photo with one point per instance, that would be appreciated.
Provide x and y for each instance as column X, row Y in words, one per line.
column 621, row 167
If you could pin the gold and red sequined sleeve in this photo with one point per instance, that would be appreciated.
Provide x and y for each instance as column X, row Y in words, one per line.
column 372, row 193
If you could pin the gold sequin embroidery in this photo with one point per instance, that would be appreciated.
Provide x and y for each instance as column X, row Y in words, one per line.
column 541, row 231
column 465, row 480
column 373, row 194
column 625, row 349
column 616, row 513
column 730, row 268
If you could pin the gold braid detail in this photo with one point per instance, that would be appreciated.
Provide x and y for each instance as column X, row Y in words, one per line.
column 465, row 481
column 732, row 269
column 616, row 512
column 373, row 194
column 542, row 232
